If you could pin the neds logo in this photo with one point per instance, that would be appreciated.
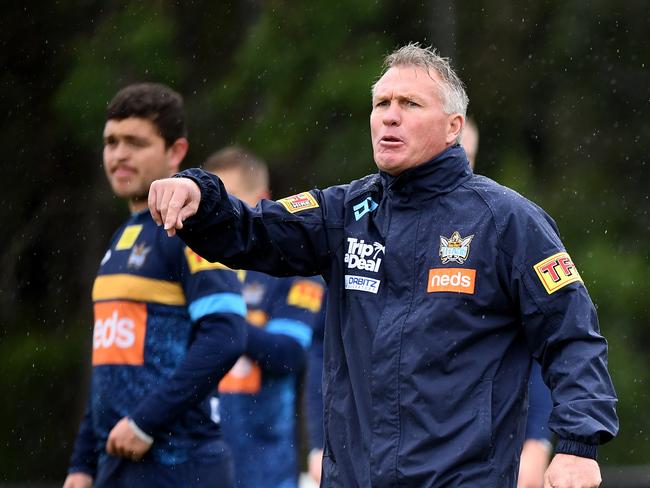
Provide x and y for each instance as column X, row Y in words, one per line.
column 459, row 280
column 114, row 330
column 118, row 335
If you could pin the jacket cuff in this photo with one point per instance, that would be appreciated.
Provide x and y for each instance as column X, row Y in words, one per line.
column 89, row 470
column 144, row 423
column 142, row 435
column 576, row 448
column 208, row 186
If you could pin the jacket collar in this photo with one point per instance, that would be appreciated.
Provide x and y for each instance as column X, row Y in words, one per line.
column 441, row 175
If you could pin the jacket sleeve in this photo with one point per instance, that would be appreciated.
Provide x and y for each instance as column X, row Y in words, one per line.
column 217, row 343
column 277, row 354
column 84, row 453
column 293, row 307
column 284, row 238
column 217, row 310
column 561, row 327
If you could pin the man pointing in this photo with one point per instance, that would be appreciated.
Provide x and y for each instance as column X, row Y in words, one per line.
column 428, row 347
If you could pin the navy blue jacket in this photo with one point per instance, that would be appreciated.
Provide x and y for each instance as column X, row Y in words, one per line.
column 441, row 285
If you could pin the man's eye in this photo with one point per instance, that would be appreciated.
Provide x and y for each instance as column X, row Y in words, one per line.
column 411, row 103
column 137, row 143
column 381, row 103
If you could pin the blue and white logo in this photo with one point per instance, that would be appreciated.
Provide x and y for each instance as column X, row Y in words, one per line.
column 454, row 249
column 361, row 255
column 361, row 283
column 361, row 209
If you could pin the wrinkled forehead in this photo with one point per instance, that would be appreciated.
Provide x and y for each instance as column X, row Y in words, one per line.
column 408, row 78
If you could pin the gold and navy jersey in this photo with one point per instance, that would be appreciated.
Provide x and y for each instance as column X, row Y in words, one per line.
column 150, row 293
column 258, row 406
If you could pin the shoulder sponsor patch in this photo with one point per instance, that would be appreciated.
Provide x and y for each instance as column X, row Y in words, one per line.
column 306, row 294
column 128, row 237
column 457, row 280
column 299, row 202
column 196, row 263
column 556, row 272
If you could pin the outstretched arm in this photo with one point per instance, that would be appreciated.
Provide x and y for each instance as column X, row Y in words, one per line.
column 293, row 236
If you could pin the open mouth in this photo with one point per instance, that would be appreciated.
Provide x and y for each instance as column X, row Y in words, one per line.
column 390, row 139
column 122, row 172
column 390, row 142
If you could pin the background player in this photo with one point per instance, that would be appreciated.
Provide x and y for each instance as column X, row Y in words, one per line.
column 168, row 324
column 259, row 396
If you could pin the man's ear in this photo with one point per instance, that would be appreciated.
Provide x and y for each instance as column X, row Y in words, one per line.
column 176, row 153
column 455, row 127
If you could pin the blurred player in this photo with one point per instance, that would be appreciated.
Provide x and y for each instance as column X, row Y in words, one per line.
column 168, row 324
column 259, row 395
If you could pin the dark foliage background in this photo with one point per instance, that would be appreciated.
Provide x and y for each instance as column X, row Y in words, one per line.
column 560, row 91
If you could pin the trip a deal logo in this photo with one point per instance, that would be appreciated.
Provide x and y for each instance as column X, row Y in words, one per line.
column 363, row 256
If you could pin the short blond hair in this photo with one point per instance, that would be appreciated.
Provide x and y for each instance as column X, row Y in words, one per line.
column 255, row 173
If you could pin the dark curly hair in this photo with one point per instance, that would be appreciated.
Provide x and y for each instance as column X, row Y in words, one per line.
column 152, row 101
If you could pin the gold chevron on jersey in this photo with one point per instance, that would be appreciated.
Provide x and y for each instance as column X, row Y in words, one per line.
column 299, row 202
column 196, row 263
column 137, row 288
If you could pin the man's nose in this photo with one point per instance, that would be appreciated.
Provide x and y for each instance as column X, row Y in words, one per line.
column 392, row 115
column 121, row 151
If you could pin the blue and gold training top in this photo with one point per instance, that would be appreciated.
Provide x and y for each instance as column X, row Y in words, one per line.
column 168, row 326
column 259, row 396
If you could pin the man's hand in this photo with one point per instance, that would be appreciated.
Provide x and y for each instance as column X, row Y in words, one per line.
column 78, row 480
column 533, row 463
column 123, row 441
column 315, row 462
column 172, row 200
column 567, row 471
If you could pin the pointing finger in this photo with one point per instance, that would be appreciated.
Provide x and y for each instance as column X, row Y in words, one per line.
column 151, row 201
